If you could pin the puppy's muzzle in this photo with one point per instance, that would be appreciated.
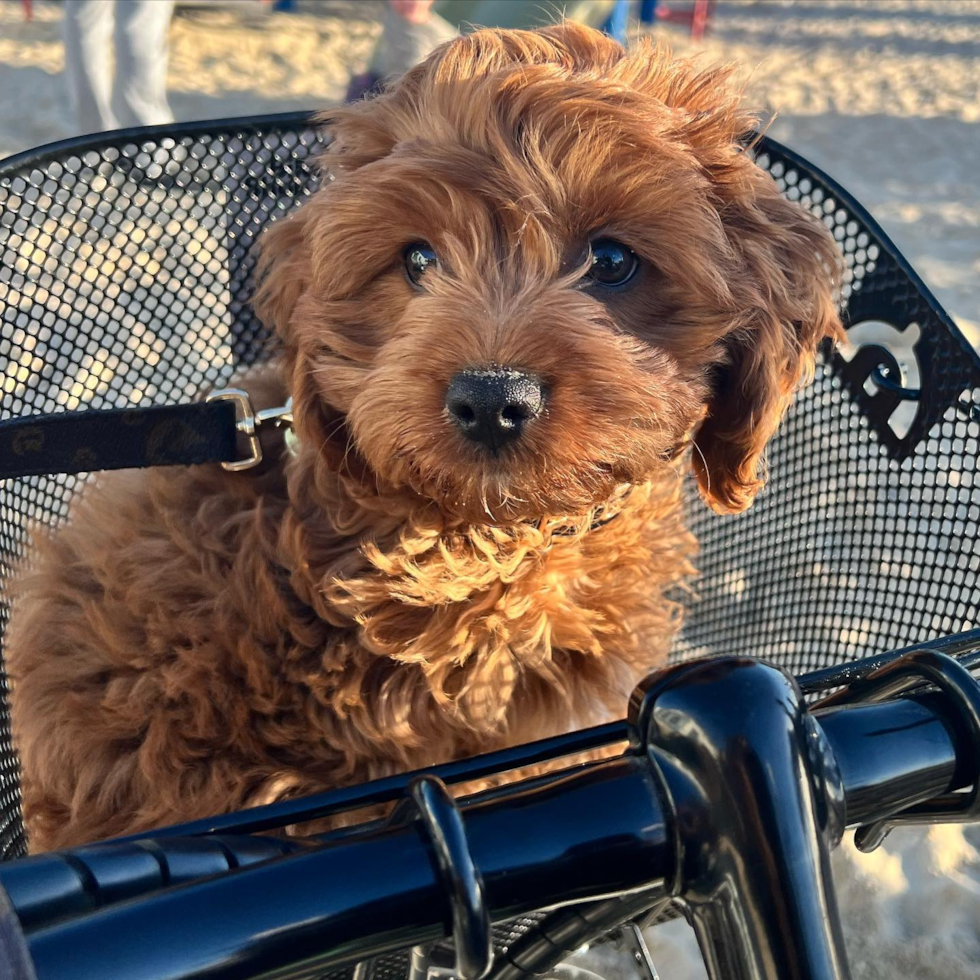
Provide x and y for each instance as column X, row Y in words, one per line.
column 493, row 407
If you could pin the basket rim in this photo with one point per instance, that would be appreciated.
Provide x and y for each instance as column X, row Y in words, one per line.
column 92, row 141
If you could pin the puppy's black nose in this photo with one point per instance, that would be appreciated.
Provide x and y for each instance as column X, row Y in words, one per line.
column 493, row 406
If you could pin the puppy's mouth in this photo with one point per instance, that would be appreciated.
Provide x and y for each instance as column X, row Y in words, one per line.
column 502, row 486
column 497, row 470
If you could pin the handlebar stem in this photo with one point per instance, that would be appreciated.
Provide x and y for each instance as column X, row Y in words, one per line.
column 755, row 803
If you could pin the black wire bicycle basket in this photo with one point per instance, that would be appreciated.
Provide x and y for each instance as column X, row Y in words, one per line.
column 125, row 277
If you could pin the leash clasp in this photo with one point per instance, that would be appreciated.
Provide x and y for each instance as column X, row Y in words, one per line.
column 248, row 422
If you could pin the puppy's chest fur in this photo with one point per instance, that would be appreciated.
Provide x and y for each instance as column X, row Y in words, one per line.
column 519, row 631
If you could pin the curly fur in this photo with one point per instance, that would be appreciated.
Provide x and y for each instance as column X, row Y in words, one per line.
column 197, row 641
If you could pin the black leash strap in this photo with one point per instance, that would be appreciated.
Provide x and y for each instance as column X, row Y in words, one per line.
column 117, row 439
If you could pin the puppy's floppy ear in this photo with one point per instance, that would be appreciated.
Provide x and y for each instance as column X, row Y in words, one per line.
column 789, row 268
column 283, row 271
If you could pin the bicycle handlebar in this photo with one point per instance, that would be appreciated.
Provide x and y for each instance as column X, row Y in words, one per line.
column 293, row 909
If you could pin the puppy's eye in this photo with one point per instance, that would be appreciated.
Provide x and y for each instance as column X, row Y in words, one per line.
column 613, row 264
column 419, row 257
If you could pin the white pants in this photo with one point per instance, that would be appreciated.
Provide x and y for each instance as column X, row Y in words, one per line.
column 138, row 97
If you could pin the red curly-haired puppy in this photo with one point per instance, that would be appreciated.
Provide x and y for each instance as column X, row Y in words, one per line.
column 538, row 269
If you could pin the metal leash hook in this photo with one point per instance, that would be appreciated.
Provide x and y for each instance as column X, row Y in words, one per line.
column 248, row 422
column 961, row 688
column 440, row 819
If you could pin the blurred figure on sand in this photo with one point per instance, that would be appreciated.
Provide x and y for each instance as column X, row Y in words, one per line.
column 411, row 29
column 138, row 30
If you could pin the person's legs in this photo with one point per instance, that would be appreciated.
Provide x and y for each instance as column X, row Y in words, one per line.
column 142, row 37
column 648, row 11
column 618, row 21
column 87, row 26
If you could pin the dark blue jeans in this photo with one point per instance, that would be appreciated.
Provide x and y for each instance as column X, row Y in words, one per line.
column 615, row 26
column 648, row 11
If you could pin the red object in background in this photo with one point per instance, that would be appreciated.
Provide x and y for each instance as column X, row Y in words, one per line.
column 28, row 10
column 697, row 16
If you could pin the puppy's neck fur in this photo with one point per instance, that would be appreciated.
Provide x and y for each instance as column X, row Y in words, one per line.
column 495, row 630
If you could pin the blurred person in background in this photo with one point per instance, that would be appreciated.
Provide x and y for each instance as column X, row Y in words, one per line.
column 412, row 29
column 139, row 31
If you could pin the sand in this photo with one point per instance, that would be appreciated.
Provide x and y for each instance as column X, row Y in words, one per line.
column 882, row 94
column 911, row 909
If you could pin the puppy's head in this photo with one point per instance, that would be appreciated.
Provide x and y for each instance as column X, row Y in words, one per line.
column 538, row 267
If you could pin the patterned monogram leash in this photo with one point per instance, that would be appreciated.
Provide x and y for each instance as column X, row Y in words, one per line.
column 224, row 429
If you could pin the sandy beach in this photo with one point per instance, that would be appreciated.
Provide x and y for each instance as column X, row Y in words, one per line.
column 882, row 94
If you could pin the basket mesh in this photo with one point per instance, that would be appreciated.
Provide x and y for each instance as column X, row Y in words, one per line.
column 124, row 280
column 864, row 540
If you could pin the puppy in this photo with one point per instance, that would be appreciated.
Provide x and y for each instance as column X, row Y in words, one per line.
column 538, row 271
